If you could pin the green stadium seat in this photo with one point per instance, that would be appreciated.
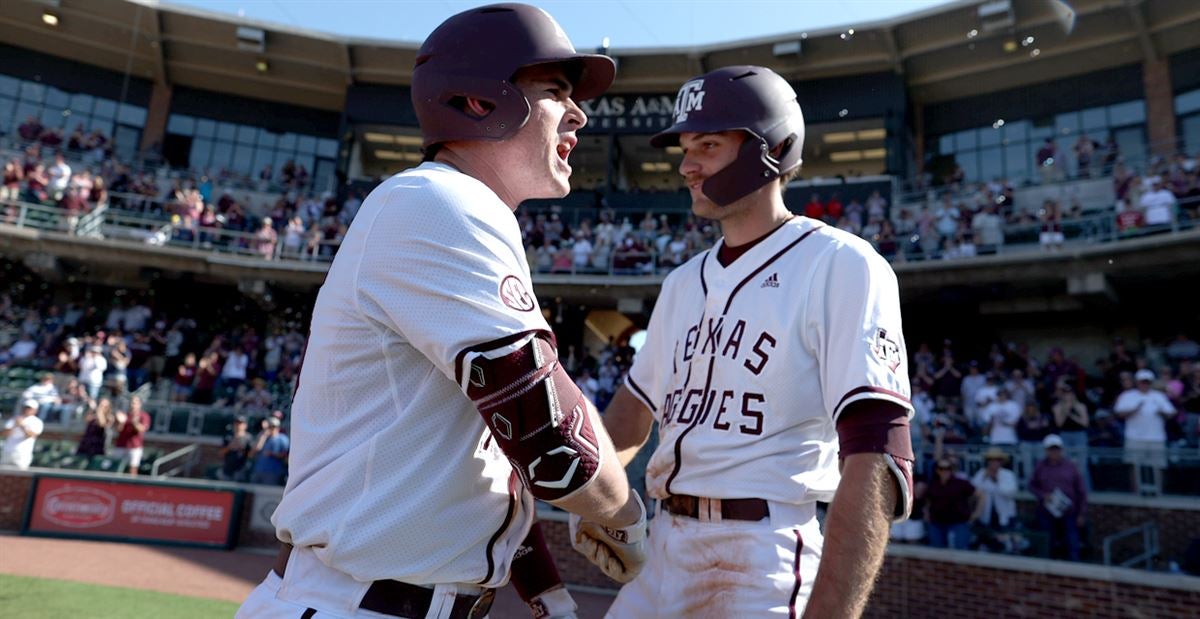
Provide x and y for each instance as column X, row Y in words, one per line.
column 216, row 424
column 179, row 421
column 107, row 464
column 45, row 459
column 73, row 462
column 149, row 455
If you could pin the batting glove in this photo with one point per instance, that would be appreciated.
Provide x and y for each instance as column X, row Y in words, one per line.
column 619, row 553
column 556, row 603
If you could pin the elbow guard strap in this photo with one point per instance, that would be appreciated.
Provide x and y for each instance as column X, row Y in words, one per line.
column 536, row 413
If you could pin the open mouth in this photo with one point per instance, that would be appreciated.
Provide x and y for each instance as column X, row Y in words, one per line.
column 565, row 148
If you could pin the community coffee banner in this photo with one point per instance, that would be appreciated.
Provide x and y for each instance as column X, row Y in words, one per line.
column 87, row 508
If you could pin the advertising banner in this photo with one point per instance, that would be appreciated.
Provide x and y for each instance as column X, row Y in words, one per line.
column 89, row 508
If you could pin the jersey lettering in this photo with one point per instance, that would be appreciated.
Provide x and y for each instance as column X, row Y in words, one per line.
column 763, row 357
column 757, row 416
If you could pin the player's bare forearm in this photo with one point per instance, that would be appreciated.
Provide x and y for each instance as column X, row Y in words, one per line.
column 856, row 535
column 607, row 500
column 628, row 422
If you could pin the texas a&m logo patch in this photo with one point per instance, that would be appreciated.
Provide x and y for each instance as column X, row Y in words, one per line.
column 886, row 349
column 690, row 99
column 514, row 295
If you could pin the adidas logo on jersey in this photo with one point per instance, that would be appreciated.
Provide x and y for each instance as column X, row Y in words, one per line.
column 771, row 282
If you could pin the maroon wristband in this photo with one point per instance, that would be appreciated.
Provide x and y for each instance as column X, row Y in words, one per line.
column 533, row 570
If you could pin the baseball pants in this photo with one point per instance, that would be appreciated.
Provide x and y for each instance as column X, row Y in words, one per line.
column 310, row 584
column 726, row 569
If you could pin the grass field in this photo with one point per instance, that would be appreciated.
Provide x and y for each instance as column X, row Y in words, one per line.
column 37, row 598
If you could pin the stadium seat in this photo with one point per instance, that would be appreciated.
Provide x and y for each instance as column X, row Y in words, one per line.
column 216, row 424
column 149, row 456
column 179, row 421
column 106, row 464
column 73, row 462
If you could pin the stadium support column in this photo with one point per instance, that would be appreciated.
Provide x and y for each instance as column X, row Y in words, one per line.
column 1160, row 105
column 156, row 119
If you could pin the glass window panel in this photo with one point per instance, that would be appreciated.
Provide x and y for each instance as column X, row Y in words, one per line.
column 1066, row 153
column 206, row 128
column 243, row 157
column 105, row 109
column 57, row 98
column 946, row 144
column 1017, row 160
column 1187, row 102
column 281, row 159
column 1095, row 118
column 52, row 117
column 222, row 155
column 287, row 141
column 1066, row 124
column 965, row 139
column 267, row 138
column 264, row 157
column 970, row 164
column 989, row 136
column 1191, row 133
column 306, row 144
column 327, row 148
column 181, row 124
column 82, row 104
column 201, row 153
column 1016, row 130
column 1132, row 142
column 8, row 122
column 32, row 92
column 247, row 134
column 24, row 111
column 226, row 131
column 991, row 163
column 307, row 162
column 132, row 115
column 1127, row 113
column 126, row 142
column 10, row 86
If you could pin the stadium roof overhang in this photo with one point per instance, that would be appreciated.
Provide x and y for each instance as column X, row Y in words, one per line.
column 959, row 49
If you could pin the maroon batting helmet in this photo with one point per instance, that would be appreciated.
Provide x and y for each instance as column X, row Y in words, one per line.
column 747, row 98
column 476, row 53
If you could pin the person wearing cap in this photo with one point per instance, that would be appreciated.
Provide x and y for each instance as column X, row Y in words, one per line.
column 20, row 433
column 92, row 366
column 996, row 510
column 1061, row 494
column 1145, row 411
column 431, row 406
column 45, row 393
column 235, row 451
column 270, row 455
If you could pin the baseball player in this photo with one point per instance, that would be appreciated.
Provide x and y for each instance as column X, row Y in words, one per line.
column 431, row 408
column 771, row 361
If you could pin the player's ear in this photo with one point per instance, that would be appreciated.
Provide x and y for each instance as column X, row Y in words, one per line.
column 473, row 106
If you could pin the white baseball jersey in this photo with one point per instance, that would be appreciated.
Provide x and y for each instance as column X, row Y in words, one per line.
column 393, row 473
column 747, row 367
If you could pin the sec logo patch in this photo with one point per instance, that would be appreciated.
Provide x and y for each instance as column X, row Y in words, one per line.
column 514, row 295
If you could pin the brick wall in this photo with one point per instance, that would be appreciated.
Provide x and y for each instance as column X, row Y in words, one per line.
column 1160, row 105
column 958, row 584
column 14, row 492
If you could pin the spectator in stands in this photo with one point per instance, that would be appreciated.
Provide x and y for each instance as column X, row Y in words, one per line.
column 235, row 451
column 1129, row 218
column 75, row 400
column 10, row 185
column 265, row 239
column 1145, row 411
column 1051, row 237
column 60, row 176
column 995, row 510
column 1183, row 349
column 1084, row 149
column 23, row 349
column 1001, row 418
column 293, row 237
column 92, row 367
column 1061, row 498
column 131, row 435
column 119, row 358
column 1032, row 427
column 834, row 209
column 988, row 227
column 815, row 209
column 207, row 373
column 233, row 373
column 1158, row 204
column 20, row 434
column 1020, row 389
column 97, row 423
column 257, row 401
column 1047, row 161
column 270, row 455
column 46, row 395
column 948, row 507
column 31, row 129
column 971, row 383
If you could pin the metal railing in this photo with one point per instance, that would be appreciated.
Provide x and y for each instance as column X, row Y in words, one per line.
column 1149, row 547
column 187, row 456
